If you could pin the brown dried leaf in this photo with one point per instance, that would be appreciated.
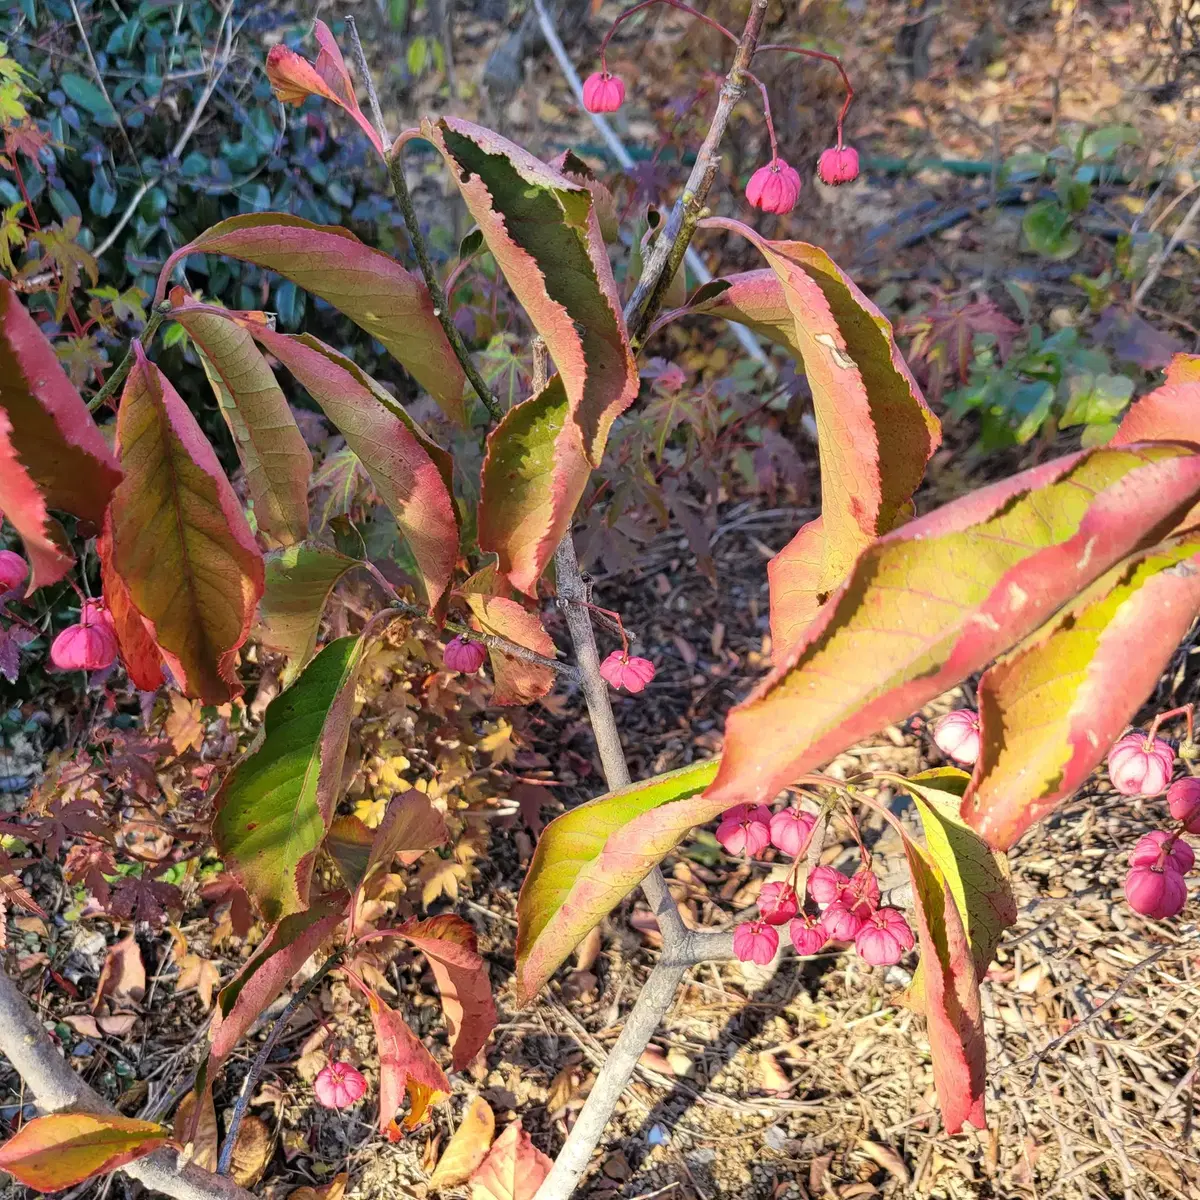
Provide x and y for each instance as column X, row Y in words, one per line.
column 123, row 976
column 468, row 1147
column 251, row 1152
column 203, row 1144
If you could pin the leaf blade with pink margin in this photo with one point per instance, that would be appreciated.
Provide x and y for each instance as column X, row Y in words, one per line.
column 412, row 474
column 584, row 866
column 273, row 452
column 53, row 454
column 513, row 1169
column 1051, row 709
column 404, row 1066
column 370, row 287
column 543, row 231
column 534, row 476
column 937, row 599
column 953, row 1010
column 179, row 539
column 875, row 431
column 293, row 79
column 462, row 979
column 275, row 806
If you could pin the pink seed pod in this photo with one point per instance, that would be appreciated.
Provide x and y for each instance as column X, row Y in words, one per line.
column 790, row 830
column 630, row 673
column 838, row 165
column 1183, row 799
column 603, row 93
column 883, row 938
column 745, row 830
column 14, row 570
column 1163, row 849
column 777, row 903
column 459, row 654
column 339, row 1085
column 755, row 941
column 862, row 892
column 841, row 923
column 774, row 188
column 807, row 934
column 825, row 884
column 1158, row 892
column 956, row 734
column 1138, row 766
column 82, row 647
column 95, row 612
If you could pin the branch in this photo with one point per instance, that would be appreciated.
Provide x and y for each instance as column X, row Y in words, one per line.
column 672, row 242
column 37, row 1060
column 264, row 1052
column 117, row 377
column 441, row 308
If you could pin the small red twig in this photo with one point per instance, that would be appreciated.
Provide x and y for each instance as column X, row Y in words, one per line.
column 687, row 8
column 830, row 58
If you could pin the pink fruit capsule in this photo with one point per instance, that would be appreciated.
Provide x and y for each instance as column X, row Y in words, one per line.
column 841, row 923
column 1183, row 799
column 339, row 1085
column 1140, row 766
column 459, row 654
column 957, row 735
column 1158, row 892
column 1161, row 848
column 774, row 188
column 883, row 938
column 745, row 830
column 14, row 570
column 790, row 830
column 755, row 941
column 825, row 885
column 603, row 92
column 632, row 674
column 838, row 165
column 807, row 933
column 777, row 902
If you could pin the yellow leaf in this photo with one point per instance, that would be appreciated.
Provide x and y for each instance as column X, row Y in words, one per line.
column 467, row 1147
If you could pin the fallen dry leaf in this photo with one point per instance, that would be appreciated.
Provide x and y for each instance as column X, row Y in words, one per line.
column 203, row 1143
column 183, row 725
column 123, row 976
column 201, row 974
column 514, row 1168
column 333, row 1190
column 251, row 1152
column 468, row 1147
column 886, row 1157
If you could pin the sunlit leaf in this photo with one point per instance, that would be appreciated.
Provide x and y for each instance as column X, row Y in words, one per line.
column 405, row 1066
column 59, row 1151
column 467, row 1148
column 514, row 1168
column 276, row 805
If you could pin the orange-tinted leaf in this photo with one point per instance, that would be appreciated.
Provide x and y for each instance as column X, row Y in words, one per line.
column 274, row 455
column 335, row 1189
column 544, row 233
column 875, row 431
column 1052, row 708
column 412, row 474
column 123, row 976
column 513, row 1170
column 275, row 807
column 533, row 478
column 410, row 827
column 294, row 79
column 953, row 1011
column 938, row 598
column 52, row 455
column 404, row 1066
column 449, row 945
column 370, row 287
column 1170, row 413
column 468, row 1147
column 139, row 651
column 517, row 681
column 251, row 1152
column 56, row 1152
column 179, row 541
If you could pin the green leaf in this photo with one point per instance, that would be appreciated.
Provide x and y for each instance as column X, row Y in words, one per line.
column 274, row 455
column 584, row 867
column 534, row 476
column 875, row 431
column 1051, row 708
column 1104, row 143
column 299, row 582
column 275, row 806
column 53, row 1153
column 977, row 876
column 1095, row 399
column 1050, row 231
column 88, row 96
column 371, row 288
column 544, row 233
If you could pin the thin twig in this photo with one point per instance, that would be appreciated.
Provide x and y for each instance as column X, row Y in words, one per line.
column 1161, row 261
column 441, row 308
column 40, row 1064
column 260, row 1059
column 117, row 376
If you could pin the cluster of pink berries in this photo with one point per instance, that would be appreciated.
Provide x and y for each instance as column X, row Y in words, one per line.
column 1142, row 765
column 849, row 907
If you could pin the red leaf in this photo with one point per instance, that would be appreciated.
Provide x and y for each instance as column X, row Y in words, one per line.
column 294, row 79
column 514, row 1168
column 179, row 542
column 449, row 945
column 139, row 651
column 543, row 230
column 951, row 992
column 56, row 1152
column 1170, row 413
column 370, row 287
column 52, row 454
column 404, row 1066
column 411, row 473
column 1053, row 707
column 533, row 479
